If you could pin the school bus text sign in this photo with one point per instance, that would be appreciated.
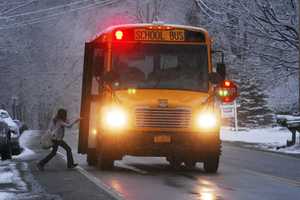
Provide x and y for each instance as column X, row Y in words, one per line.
column 159, row 35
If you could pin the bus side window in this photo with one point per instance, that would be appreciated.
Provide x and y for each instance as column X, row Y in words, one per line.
column 98, row 70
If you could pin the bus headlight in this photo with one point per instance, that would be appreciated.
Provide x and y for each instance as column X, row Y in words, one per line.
column 114, row 118
column 207, row 120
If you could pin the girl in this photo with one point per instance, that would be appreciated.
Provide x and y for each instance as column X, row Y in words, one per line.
column 59, row 123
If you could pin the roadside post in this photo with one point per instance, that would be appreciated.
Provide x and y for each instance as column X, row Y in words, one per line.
column 229, row 110
column 235, row 116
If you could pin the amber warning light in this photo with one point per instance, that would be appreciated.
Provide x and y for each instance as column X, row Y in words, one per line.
column 119, row 35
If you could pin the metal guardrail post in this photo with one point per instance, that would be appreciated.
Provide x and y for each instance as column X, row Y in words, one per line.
column 293, row 141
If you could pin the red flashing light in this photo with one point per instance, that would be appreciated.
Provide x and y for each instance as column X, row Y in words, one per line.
column 119, row 35
column 227, row 91
column 227, row 83
column 227, row 100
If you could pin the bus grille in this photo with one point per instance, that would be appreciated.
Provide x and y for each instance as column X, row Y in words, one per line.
column 163, row 117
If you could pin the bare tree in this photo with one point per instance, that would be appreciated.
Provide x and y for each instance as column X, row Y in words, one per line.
column 268, row 26
column 147, row 12
column 261, row 35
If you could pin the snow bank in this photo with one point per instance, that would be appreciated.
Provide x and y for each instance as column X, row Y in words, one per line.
column 264, row 138
column 265, row 135
column 28, row 138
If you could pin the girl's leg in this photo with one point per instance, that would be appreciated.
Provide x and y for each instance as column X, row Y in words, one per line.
column 68, row 149
column 50, row 155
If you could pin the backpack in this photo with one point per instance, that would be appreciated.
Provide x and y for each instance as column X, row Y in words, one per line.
column 46, row 139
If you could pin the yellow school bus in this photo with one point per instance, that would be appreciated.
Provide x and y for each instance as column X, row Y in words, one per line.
column 147, row 91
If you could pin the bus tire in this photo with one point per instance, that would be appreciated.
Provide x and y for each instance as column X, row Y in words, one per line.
column 105, row 162
column 211, row 164
column 190, row 164
column 91, row 157
column 175, row 163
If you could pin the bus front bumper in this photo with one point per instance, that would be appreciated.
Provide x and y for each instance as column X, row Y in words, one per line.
column 165, row 144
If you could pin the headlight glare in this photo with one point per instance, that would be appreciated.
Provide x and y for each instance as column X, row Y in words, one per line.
column 207, row 120
column 115, row 118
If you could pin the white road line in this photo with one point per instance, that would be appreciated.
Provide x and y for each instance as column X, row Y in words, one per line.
column 123, row 165
column 266, row 152
column 276, row 178
column 116, row 195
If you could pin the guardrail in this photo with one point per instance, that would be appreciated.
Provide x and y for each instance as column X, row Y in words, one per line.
column 292, row 123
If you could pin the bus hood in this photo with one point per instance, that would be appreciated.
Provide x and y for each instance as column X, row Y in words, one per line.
column 160, row 98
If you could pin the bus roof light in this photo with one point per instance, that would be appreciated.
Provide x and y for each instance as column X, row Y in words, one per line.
column 119, row 35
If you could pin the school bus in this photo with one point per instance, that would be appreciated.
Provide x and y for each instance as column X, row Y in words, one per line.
column 150, row 90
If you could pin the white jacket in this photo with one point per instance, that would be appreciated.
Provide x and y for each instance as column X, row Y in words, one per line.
column 58, row 128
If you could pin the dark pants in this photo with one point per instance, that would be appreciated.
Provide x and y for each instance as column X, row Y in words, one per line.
column 56, row 144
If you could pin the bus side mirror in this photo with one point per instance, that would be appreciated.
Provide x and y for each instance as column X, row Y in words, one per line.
column 221, row 70
column 214, row 78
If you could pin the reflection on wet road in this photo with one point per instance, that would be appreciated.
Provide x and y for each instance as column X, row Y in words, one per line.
column 238, row 178
column 243, row 174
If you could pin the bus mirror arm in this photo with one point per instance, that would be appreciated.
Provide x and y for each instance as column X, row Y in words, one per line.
column 215, row 78
column 221, row 70
column 221, row 67
column 111, row 77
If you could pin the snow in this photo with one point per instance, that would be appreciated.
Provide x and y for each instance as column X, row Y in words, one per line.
column 263, row 138
column 11, row 178
column 6, row 196
column 288, row 117
column 7, row 119
column 265, row 135
column 16, row 181
column 27, row 154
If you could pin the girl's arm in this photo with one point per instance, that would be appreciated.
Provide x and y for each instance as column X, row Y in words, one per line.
column 69, row 125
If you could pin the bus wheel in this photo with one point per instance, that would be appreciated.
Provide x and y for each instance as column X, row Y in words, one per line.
column 105, row 159
column 190, row 164
column 105, row 162
column 211, row 164
column 91, row 157
column 175, row 163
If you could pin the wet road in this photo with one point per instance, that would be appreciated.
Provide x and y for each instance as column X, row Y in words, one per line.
column 243, row 174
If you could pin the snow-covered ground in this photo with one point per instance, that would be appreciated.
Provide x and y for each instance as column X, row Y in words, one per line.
column 16, row 179
column 264, row 138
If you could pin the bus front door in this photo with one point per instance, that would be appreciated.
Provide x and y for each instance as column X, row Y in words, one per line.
column 93, row 69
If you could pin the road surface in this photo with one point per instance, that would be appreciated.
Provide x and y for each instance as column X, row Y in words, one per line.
column 244, row 174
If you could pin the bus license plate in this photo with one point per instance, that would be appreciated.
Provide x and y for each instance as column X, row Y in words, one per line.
column 159, row 35
column 162, row 139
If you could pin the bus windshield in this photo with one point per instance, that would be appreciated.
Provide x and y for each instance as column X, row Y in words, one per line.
column 161, row 66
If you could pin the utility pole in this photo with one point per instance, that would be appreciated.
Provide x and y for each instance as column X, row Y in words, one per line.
column 14, row 106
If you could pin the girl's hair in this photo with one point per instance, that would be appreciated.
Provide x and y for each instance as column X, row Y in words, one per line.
column 60, row 115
